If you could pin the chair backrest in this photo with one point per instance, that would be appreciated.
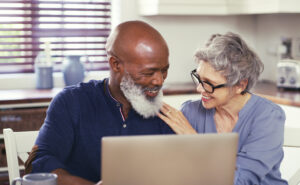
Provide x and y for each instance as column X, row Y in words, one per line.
column 17, row 144
column 290, row 166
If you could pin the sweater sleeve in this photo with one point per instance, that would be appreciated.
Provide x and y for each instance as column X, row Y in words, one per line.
column 262, row 151
column 56, row 136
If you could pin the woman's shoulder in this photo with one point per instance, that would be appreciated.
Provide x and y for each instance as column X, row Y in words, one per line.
column 262, row 104
column 265, row 112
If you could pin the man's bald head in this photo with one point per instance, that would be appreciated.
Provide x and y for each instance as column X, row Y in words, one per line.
column 135, row 38
column 139, row 61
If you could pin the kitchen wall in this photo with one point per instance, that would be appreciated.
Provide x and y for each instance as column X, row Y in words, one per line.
column 186, row 33
column 270, row 29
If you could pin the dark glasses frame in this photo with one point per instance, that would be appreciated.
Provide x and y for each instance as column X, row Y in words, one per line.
column 205, row 84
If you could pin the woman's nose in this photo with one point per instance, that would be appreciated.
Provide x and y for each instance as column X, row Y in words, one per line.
column 200, row 88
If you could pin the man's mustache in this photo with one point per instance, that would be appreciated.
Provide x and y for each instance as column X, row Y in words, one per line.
column 151, row 89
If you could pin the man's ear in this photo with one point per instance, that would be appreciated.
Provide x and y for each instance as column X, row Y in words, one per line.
column 242, row 86
column 114, row 63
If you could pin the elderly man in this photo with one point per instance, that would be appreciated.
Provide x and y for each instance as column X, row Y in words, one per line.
column 125, row 104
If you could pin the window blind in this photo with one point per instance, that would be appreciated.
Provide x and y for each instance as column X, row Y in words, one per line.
column 73, row 27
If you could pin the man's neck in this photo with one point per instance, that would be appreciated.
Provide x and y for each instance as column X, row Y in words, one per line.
column 117, row 94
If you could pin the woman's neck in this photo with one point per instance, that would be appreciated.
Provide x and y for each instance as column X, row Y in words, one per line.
column 234, row 106
column 226, row 116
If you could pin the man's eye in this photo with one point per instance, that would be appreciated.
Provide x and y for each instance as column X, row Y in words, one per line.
column 147, row 74
column 164, row 70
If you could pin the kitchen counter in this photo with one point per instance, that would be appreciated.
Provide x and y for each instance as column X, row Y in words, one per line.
column 270, row 91
column 264, row 88
column 27, row 95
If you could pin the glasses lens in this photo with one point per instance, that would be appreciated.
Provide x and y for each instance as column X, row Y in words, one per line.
column 195, row 79
column 208, row 87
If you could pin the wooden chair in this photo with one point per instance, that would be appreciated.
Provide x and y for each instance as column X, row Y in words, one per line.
column 290, row 166
column 17, row 144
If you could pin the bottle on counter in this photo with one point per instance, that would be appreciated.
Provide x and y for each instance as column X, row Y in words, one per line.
column 44, row 68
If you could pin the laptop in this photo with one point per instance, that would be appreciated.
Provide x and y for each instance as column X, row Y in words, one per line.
column 201, row 159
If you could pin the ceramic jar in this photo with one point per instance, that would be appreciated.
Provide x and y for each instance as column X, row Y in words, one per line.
column 73, row 70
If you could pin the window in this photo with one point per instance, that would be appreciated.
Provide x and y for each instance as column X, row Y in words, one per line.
column 73, row 27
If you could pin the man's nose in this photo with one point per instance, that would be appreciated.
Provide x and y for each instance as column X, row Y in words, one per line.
column 158, row 79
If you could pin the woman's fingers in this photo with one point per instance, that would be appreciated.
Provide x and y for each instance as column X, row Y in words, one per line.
column 176, row 120
column 164, row 110
column 167, row 110
column 168, row 107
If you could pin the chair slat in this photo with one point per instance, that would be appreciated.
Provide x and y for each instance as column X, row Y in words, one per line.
column 17, row 144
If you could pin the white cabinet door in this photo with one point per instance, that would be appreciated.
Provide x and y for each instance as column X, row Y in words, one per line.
column 217, row 7
column 263, row 6
column 182, row 7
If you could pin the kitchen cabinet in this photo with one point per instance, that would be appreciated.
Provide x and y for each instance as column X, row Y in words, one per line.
column 263, row 6
column 183, row 7
column 21, row 110
column 217, row 7
column 22, row 119
column 19, row 119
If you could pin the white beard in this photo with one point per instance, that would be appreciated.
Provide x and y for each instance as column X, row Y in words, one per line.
column 145, row 106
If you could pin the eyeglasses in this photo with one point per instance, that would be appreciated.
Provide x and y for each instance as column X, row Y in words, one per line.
column 208, row 87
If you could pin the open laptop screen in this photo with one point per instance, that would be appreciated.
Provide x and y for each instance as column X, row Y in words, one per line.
column 207, row 159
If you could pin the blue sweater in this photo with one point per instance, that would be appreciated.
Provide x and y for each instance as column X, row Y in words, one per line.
column 77, row 119
column 260, row 127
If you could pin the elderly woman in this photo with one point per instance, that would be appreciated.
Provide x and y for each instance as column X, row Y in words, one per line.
column 227, row 70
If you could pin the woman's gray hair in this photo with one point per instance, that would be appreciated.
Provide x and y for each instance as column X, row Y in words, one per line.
column 230, row 55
